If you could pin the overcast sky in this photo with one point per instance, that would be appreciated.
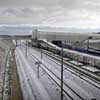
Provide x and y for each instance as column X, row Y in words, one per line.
column 74, row 13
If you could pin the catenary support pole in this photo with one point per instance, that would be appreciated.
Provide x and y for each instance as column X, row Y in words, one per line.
column 62, row 73
column 26, row 48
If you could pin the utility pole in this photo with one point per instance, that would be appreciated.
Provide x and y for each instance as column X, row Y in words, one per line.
column 46, row 44
column 41, row 54
column 38, row 67
column 62, row 73
column 26, row 48
column 88, row 42
column 16, row 43
column 38, row 70
column 20, row 43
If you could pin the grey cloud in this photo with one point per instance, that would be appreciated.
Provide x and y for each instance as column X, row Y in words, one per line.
column 50, row 11
column 28, row 2
column 22, row 12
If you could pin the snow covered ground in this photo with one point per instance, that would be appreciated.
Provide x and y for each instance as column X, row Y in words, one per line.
column 42, row 87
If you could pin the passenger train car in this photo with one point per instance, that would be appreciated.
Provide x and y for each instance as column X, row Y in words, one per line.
column 82, row 55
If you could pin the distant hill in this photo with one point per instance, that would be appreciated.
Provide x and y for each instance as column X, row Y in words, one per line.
column 25, row 29
column 5, row 36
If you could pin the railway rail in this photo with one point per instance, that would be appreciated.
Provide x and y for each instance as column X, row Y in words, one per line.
column 68, row 90
column 81, row 71
column 32, row 90
column 53, row 76
column 82, row 57
column 65, row 83
column 79, row 74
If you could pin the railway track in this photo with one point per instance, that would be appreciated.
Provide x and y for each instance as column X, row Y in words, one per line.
column 26, row 85
column 31, row 87
column 73, row 72
column 79, row 70
column 67, row 89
